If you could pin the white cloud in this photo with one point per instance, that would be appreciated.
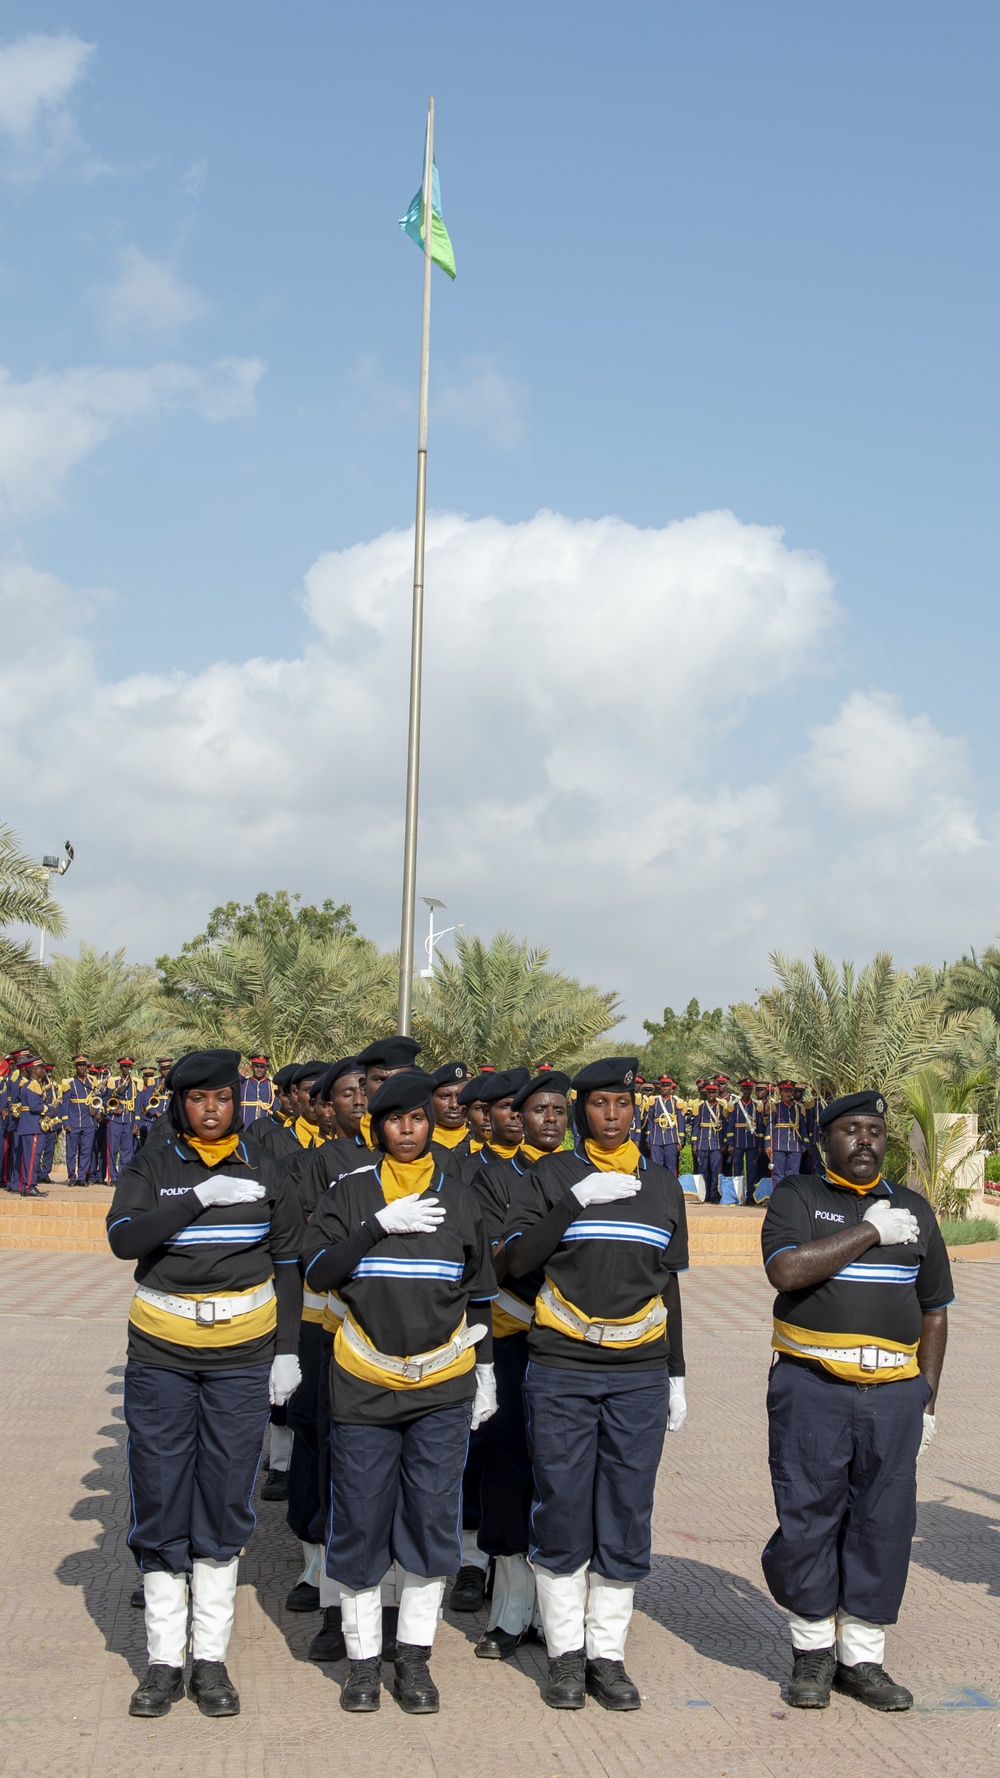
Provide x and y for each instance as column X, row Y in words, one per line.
column 584, row 686
column 38, row 72
column 50, row 422
column 482, row 400
column 149, row 296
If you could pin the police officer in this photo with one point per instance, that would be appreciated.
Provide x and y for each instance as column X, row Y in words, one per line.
column 705, row 1132
column 81, row 1123
column 860, row 1327
column 451, row 1126
column 257, row 1093
column 29, row 1107
column 212, row 1337
column 605, row 1377
column 786, row 1134
column 744, row 1136
column 119, row 1104
column 666, row 1131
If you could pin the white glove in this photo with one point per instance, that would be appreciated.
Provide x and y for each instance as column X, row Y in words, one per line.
column 485, row 1403
column 412, row 1215
column 227, row 1191
column 604, row 1188
column 286, row 1375
column 677, row 1410
column 896, row 1228
column 930, row 1428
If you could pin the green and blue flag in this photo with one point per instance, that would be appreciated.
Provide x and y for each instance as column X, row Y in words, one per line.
column 412, row 224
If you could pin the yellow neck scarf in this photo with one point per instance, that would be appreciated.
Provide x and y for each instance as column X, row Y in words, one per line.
column 534, row 1154
column 835, row 1179
column 449, row 1138
column 506, row 1154
column 401, row 1178
column 613, row 1160
column 476, row 1147
column 366, row 1130
column 307, row 1133
column 213, row 1152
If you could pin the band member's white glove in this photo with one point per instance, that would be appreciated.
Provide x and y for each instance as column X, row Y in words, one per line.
column 677, row 1411
column 896, row 1228
column 604, row 1188
column 412, row 1215
column 228, row 1191
column 485, row 1404
column 286, row 1375
column 930, row 1428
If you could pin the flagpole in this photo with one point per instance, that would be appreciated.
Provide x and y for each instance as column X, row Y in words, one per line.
column 405, row 1005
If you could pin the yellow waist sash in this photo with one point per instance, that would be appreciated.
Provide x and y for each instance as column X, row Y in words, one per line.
column 510, row 1315
column 548, row 1316
column 370, row 1372
column 179, row 1331
column 822, row 1348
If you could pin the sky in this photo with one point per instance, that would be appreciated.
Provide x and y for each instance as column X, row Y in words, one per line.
column 711, row 578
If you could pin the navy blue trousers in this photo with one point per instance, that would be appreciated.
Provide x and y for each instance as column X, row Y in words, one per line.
column 472, row 1484
column 595, row 1436
column 843, row 1462
column 193, row 1451
column 121, row 1145
column 306, row 1512
column 664, row 1154
column 707, row 1162
column 79, row 1153
column 396, row 1496
column 783, row 1165
column 506, row 1487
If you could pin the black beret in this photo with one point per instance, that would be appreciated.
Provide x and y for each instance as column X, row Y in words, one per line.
column 320, row 1088
column 503, row 1083
column 283, row 1076
column 402, row 1092
column 390, row 1052
column 204, row 1068
column 471, row 1090
column 549, row 1081
column 872, row 1103
column 308, row 1071
column 449, row 1073
column 610, row 1071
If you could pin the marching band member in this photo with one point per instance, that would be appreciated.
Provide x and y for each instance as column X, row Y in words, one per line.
column 257, row 1094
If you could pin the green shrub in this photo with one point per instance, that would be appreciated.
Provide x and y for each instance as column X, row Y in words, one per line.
column 993, row 1168
column 968, row 1231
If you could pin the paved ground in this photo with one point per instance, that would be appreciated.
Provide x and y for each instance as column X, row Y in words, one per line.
column 707, row 1646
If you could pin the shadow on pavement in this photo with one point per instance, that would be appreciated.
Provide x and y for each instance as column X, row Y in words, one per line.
column 721, row 1615
column 107, row 1572
column 959, row 1545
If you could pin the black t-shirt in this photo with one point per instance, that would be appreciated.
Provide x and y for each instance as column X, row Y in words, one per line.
column 879, row 1297
column 496, row 1186
column 608, row 1260
column 222, row 1251
column 408, row 1294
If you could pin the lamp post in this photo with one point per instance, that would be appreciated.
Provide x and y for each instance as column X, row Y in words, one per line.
column 53, row 867
column 430, row 902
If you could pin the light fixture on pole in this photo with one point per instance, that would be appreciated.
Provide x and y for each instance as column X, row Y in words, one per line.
column 431, row 903
column 53, row 867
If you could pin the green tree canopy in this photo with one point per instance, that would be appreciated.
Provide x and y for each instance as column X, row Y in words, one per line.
column 25, row 900
column 683, row 1045
column 500, row 1003
column 94, row 1002
column 268, row 917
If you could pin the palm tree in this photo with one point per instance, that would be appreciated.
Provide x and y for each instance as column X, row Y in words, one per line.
column 944, row 1145
column 25, row 900
column 294, row 995
column 94, row 1002
column 500, row 1003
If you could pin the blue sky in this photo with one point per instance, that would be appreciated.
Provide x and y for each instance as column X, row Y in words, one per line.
column 710, row 257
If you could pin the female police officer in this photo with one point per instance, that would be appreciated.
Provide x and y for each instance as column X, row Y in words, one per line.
column 609, row 1229
column 213, row 1334
column 405, row 1247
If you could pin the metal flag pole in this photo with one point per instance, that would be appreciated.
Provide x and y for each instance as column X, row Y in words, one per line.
column 417, row 634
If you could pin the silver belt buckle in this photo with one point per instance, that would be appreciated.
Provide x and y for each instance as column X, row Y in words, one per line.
column 412, row 1373
column 869, row 1358
column 594, row 1334
column 204, row 1314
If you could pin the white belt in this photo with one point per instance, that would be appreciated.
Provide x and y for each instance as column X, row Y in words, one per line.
column 513, row 1306
column 210, row 1309
column 867, row 1358
column 601, row 1333
column 311, row 1301
column 334, row 1304
column 423, row 1364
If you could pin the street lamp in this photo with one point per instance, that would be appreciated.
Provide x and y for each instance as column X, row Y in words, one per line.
column 430, row 902
column 54, row 867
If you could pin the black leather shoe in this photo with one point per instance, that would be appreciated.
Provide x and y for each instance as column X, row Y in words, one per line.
column 390, row 1624
column 812, row 1677
column 303, row 1597
column 870, row 1684
column 276, row 1485
column 496, row 1645
column 469, row 1591
column 328, row 1643
column 608, row 1682
column 212, row 1689
column 137, row 1598
column 565, row 1687
column 363, row 1688
column 159, row 1687
column 412, row 1683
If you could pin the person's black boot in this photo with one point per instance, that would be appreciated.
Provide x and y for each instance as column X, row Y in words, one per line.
column 159, row 1687
column 812, row 1677
column 469, row 1591
column 870, row 1684
column 362, row 1693
column 303, row 1597
column 328, row 1643
column 275, row 1486
column 412, row 1683
column 565, row 1688
column 137, row 1598
column 212, row 1689
column 496, row 1645
column 390, row 1625
column 608, row 1682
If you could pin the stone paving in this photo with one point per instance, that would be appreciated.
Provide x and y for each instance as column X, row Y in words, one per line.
column 707, row 1646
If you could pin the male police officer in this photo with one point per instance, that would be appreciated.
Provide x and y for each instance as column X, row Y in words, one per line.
column 705, row 1132
column 665, row 1128
column 860, row 1326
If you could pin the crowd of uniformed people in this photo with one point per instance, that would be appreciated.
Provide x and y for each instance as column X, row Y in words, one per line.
column 453, row 1298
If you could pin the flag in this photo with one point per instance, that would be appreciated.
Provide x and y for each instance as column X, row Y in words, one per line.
column 442, row 252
